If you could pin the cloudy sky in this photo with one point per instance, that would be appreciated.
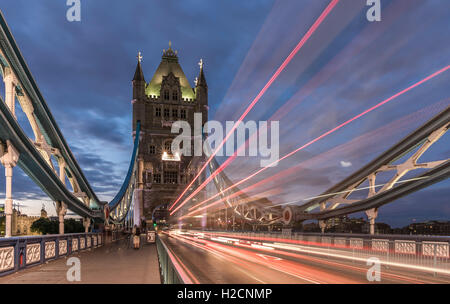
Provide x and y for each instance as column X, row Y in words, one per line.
column 84, row 70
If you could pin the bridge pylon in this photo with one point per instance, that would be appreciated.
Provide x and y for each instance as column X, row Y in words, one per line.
column 9, row 158
column 61, row 210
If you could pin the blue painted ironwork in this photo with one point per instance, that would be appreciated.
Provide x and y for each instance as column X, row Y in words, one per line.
column 36, row 167
column 121, row 204
column 42, row 113
column 131, row 170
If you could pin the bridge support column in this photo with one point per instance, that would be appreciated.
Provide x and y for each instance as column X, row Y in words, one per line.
column 8, row 158
column 86, row 224
column 10, row 90
column 322, row 225
column 61, row 210
column 371, row 216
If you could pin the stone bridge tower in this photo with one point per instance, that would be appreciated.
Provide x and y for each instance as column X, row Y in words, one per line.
column 168, row 97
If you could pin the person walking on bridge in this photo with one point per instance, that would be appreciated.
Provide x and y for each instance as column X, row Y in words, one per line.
column 136, row 237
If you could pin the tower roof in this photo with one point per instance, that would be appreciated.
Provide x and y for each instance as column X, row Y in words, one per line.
column 169, row 63
column 139, row 75
column 201, row 80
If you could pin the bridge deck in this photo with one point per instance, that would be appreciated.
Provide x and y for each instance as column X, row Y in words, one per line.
column 110, row 264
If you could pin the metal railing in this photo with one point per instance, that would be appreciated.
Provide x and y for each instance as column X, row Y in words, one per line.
column 420, row 253
column 171, row 271
column 18, row 253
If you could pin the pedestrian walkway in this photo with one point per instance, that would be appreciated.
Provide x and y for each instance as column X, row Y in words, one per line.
column 114, row 263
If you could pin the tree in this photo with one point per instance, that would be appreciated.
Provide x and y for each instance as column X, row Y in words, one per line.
column 2, row 225
column 73, row 226
column 45, row 226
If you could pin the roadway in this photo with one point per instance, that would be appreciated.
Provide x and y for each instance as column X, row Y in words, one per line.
column 208, row 261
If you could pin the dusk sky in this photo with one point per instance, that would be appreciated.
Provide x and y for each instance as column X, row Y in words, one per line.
column 84, row 71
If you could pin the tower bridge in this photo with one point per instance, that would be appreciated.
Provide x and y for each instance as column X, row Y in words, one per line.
column 157, row 176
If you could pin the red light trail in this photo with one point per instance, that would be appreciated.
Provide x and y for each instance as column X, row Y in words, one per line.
column 302, row 42
column 324, row 135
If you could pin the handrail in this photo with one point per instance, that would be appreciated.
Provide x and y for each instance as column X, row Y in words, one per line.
column 17, row 253
column 171, row 271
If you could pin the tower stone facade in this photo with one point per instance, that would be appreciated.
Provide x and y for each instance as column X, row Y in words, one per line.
column 168, row 97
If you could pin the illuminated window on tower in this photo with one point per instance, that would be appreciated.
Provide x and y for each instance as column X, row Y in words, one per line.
column 170, row 177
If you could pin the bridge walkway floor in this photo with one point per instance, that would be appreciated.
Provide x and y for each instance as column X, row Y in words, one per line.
column 114, row 263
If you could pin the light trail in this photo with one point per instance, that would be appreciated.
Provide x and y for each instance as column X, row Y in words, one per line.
column 360, row 141
column 302, row 42
column 328, row 132
column 239, row 250
column 326, row 73
column 190, row 214
column 347, row 191
column 294, row 245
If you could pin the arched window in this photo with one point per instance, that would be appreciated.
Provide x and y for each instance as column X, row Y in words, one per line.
column 166, row 94
column 175, row 95
column 168, row 146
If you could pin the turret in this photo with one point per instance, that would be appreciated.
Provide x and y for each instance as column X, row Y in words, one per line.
column 138, row 80
column 201, row 88
column 201, row 93
column 138, row 94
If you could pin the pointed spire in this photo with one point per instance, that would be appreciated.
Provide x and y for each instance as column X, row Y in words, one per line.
column 201, row 80
column 139, row 75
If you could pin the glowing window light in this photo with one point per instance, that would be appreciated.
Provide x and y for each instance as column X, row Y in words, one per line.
column 171, row 157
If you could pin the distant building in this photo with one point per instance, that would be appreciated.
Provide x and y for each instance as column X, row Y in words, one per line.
column 427, row 228
column 21, row 223
column 43, row 212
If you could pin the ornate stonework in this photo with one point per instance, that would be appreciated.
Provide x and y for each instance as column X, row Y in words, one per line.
column 50, row 250
column 33, row 253
column 6, row 258
column 408, row 247
column 74, row 244
column 380, row 245
column 356, row 243
column 438, row 249
column 340, row 241
column 62, row 247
